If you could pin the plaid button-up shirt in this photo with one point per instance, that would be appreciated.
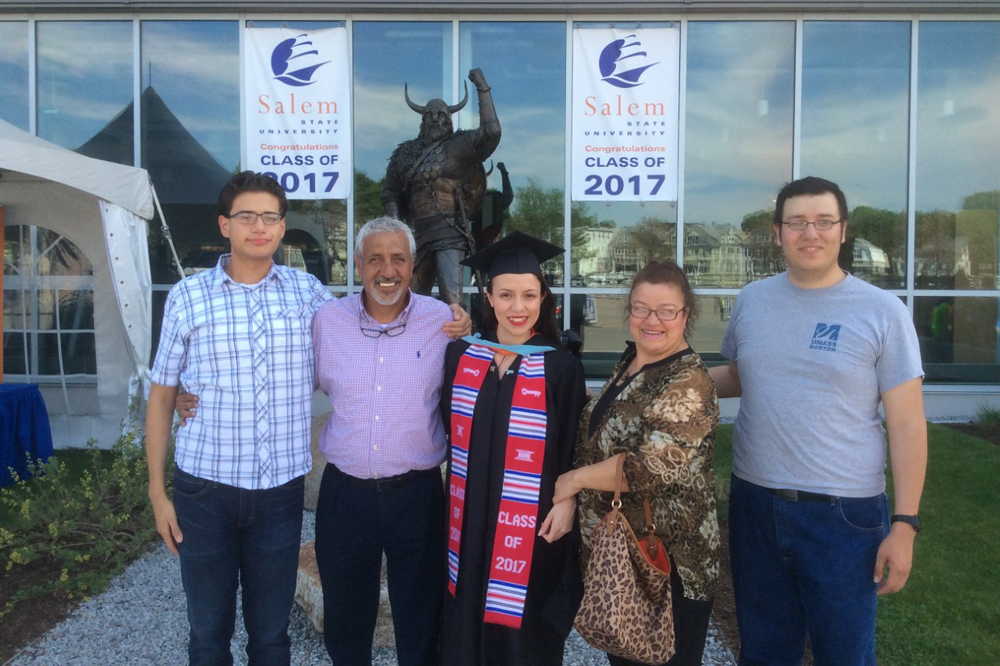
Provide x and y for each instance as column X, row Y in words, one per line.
column 385, row 391
column 246, row 351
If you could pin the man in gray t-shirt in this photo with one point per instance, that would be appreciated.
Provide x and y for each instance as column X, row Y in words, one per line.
column 813, row 352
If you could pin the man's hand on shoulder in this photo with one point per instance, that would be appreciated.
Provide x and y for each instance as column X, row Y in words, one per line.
column 896, row 553
column 187, row 406
column 460, row 326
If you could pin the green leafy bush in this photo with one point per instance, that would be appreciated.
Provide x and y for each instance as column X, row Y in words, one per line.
column 988, row 415
column 86, row 526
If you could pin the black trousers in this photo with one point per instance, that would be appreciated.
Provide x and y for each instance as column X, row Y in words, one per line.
column 356, row 522
column 690, row 626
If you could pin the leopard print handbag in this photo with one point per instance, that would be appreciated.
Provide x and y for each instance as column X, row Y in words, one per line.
column 626, row 609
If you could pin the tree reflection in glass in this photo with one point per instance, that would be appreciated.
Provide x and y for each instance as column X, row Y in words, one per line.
column 958, row 157
column 855, row 115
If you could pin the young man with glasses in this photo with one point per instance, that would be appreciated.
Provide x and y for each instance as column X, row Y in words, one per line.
column 813, row 352
column 238, row 335
column 380, row 359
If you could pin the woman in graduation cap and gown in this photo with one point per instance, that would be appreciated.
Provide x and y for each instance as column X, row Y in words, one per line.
column 511, row 403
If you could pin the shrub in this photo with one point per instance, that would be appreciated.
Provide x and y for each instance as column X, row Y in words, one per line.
column 86, row 528
column 988, row 415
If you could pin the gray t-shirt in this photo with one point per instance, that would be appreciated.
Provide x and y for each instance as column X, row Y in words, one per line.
column 813, row 364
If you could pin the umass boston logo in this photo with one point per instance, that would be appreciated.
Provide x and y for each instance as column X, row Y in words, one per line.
column 296, row 52
column 622, row 62
column 825, row 337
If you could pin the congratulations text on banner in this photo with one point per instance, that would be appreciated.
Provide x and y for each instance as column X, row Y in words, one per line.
column 298, row 110
column 625, row 114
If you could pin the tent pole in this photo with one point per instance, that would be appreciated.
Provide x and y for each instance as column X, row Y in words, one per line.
column 166, row 231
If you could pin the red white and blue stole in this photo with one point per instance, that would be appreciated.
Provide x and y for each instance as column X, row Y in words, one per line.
column 514, row 543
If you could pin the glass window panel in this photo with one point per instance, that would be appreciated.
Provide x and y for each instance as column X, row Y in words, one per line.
column 16, row 253
column 855, row 121
column 958, row 155
column 57, row 256
column 959, row 338
column 190, row 133
column 85, row 87
column 738, row 150
column 76, row 310
column 316, row 239
column 388, row 54
column 612, row 240
column 604, row 328
column 14, row 73
column 16, row 348
column 78, row 354
column 46, row 302
column 525, row 65
column 17, row 310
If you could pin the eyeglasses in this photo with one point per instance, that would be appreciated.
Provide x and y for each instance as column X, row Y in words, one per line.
column 248, row 217
column 389, row 331
column 818, row 225
column 664, row 314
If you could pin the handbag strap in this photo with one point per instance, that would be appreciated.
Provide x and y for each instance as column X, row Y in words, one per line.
column 616, row 503
column 652, row 543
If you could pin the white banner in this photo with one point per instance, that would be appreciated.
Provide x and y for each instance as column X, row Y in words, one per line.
column 625, row 114
column 298, row 110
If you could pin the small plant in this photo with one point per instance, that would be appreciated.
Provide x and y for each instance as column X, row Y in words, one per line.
column 84, row 529
column 988, row 415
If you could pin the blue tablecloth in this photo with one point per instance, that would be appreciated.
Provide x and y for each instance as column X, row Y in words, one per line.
column 24, row 430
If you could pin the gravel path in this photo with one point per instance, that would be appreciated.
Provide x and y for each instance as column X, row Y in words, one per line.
column 140, row 619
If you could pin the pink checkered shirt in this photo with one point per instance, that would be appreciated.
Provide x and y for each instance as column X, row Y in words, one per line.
column 385, row 391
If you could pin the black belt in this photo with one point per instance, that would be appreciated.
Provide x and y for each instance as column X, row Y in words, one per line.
column 386, row 483
column 801, row 495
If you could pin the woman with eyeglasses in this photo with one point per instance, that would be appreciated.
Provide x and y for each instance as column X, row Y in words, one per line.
column 511, row 404
column 660, row 409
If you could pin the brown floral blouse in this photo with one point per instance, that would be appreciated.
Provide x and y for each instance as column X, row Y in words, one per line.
column 665, row 419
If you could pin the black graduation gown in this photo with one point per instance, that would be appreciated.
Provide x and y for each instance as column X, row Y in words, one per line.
column 555, row 585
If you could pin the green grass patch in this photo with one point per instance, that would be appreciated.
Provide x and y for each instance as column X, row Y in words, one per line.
column 949, row 611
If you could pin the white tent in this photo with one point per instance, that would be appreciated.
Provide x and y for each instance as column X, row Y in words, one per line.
column 103, row 209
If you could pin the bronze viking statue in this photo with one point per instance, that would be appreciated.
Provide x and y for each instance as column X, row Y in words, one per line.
column 436, row 183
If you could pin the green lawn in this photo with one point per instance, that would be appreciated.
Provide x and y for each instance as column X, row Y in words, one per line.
column 949, row 612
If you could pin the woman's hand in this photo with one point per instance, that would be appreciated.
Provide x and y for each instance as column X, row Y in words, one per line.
column 566, row 487
column 559, row 522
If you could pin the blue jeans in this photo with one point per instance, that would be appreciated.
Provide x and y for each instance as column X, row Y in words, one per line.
column 801, row 567
column 234, row 536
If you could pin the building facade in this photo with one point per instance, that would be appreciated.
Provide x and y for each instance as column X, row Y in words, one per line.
column 898, row 102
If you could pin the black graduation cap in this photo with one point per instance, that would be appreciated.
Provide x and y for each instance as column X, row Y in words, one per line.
column 514, row 253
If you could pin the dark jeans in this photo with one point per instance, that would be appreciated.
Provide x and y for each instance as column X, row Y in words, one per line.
column 690, row 627
column 803, row 567
column 234, row 536
column 355, row 523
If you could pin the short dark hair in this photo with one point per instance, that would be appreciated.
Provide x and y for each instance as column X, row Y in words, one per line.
column 808, row 185
column 667, row 272
column 249, row 181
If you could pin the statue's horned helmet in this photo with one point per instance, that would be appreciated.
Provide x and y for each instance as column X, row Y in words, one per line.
column 436, row 104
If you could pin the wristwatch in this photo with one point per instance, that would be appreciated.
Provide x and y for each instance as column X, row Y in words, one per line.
column 912, row 521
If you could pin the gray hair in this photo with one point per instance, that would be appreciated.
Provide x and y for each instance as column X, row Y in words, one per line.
column 383, row 225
